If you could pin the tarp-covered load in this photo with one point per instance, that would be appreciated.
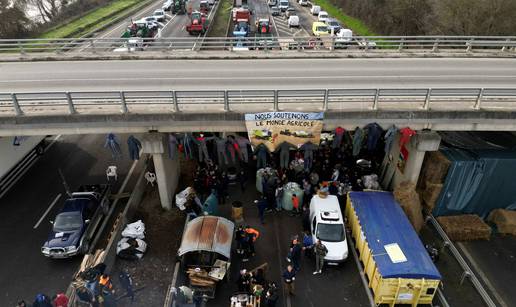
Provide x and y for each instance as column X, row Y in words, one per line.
column 477, row 182
column 395, row 261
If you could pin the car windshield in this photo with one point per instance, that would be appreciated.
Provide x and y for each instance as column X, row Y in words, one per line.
column 68, row 221
column 333, row 23
column 322, row 29
column 330, row 232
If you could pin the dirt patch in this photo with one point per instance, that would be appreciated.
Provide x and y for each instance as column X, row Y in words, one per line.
column 154, row 271
column 163, row 231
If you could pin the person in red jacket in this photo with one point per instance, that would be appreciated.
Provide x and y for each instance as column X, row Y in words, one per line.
column 60, row 300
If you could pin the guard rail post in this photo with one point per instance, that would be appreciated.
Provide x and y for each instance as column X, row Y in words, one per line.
column 375, row 103
column 504, row 48
column 92, row 45
column 174, row 101
column 20, row 47
column 123, row 103
column 426, row 106
column 16, row 105
column 478, row 102
column 128, row 45
column 435, row 48
column 226, row 101
column 469, row 46
column 325, row 105
column 276, row 101
column 71, row 107
column 400, row 46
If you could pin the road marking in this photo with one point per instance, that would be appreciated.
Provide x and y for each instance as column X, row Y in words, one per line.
column 48, row 210
column 53, row 142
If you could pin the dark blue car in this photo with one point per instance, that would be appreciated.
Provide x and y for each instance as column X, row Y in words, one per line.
column 68, row 236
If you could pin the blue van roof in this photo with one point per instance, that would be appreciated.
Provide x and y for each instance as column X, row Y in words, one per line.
column 383, row 222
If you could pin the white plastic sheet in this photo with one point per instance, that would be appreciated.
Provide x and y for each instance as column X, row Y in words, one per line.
column 134, row 230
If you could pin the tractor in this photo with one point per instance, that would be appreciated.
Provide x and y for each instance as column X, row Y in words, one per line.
column 179, row 7
column 139, row 29
column 198, row 23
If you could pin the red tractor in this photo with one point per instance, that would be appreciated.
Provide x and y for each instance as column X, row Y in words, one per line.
column 198, row 23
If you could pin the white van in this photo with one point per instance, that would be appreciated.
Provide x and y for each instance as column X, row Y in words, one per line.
column 327, row 225
column 293, row 21
column 315, row 9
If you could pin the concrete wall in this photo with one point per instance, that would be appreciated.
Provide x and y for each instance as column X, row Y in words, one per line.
column 234, row 122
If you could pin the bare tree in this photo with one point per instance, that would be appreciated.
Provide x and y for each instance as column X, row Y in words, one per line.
column 13, row 22
column 48, row 9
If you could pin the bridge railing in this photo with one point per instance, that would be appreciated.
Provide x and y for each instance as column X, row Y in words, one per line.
column 165, row 102
column 431, row 44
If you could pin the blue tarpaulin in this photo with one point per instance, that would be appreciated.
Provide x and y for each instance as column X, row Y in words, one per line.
column 478, row 181
column 383, row 222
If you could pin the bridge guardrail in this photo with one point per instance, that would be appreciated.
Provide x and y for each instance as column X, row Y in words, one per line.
column 430, row 44
column 367, row 99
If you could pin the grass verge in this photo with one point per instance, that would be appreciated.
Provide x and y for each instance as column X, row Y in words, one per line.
column 358, row 27
column 220, row 22
column 95, row 19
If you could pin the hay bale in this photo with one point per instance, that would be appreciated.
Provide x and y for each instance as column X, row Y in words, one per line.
column 406, row 195
column 465, row 227
column 435, row 168
column 505, row 221
column 430, row 195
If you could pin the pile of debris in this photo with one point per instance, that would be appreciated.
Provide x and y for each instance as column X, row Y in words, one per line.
column 132, row 246
column 465, row 227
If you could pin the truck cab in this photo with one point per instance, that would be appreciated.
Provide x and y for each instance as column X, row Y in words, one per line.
column 283, row 5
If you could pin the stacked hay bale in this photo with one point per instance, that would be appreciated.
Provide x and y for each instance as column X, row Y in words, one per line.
column 466, row 227
column 433, row 174
column 406, row 195
column 505, row 221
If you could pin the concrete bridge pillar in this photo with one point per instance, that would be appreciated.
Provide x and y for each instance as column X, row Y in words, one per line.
column 167, row 170
column 399, row 166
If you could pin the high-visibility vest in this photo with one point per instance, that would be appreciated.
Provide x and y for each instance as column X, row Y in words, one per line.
column 106, row 282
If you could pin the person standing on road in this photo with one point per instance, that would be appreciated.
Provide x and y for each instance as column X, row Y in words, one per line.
column 262, row 205
column 295, row 204
column 320, row 252
column 240, row 239
column 127, row 283
column 295, row 254
column 271, row 296
column 279, row 195
column 289, row 276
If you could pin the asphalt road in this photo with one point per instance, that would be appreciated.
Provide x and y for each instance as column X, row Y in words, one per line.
column 340, row 284
column 256, row 74
column 25, row 271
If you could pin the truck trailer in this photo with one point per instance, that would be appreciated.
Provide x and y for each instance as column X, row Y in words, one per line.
column 397, row 265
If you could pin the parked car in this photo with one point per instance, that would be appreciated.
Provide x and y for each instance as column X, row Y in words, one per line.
column 319, row 29
column 76, row 225
column 159, row 14
column 333, row 25
column 303, row 2
column 315, row 9
column 272, row 2
column 293, row 21
column 275, row 11
column 149, row 20
column 290, row 12
column 323, row 16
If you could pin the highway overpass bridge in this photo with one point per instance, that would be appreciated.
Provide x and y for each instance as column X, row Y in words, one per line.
column 193, row 95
